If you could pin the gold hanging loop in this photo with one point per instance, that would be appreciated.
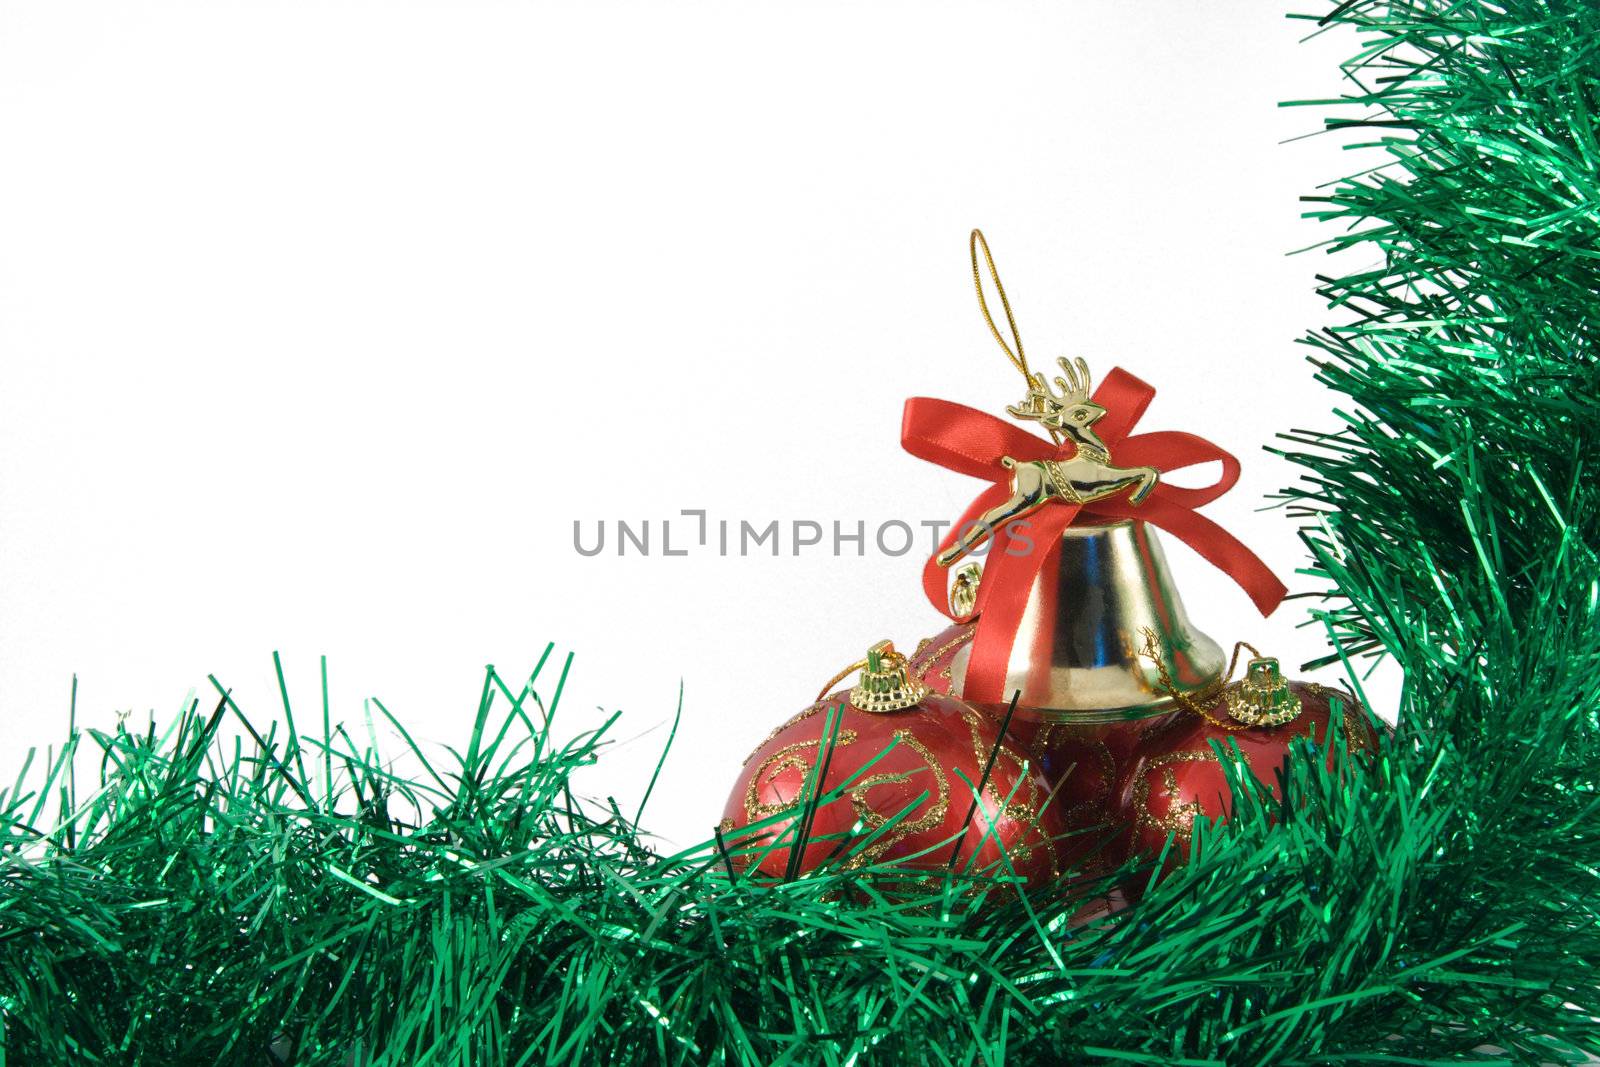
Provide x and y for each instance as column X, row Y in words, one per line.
column 1018, row 359
column 841, row 676
column 1017, row 356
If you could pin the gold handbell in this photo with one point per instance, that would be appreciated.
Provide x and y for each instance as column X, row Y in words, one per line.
column 1077, row 652
column 1262, row 697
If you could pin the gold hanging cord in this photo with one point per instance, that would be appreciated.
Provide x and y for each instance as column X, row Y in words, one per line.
column 841, row 676
column 1017, row 357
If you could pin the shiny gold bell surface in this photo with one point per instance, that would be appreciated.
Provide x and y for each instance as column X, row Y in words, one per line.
column 1077, row 651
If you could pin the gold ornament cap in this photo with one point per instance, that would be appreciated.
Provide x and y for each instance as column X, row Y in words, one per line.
column 1263, row 697
column 886, row 683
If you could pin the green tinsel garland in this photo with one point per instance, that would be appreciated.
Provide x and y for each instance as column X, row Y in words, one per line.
column 206, row 903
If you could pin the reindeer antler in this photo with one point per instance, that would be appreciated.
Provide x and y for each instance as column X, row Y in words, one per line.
column 1042, row 402
column 1075, row 386
column 1039, row 402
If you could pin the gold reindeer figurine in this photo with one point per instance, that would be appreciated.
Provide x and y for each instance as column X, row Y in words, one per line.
column 1088, row 475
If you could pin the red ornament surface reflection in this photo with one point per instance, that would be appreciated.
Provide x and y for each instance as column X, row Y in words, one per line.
column 936, row 745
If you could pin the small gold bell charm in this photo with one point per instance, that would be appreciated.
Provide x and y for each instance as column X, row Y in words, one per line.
column 964, row 590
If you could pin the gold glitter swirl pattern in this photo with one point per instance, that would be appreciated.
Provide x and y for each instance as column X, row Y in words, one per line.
column 936, row 809
column 800, row 757
column 773, row 736
column 923, row 665
column 1026, row 810
column 1179, row 819
column 1097, row 803
column 789, row 757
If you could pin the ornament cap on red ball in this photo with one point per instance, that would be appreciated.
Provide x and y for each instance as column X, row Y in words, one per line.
column 1263, row 697
column 900, row 764
column 885, row 684
column 1176, row 775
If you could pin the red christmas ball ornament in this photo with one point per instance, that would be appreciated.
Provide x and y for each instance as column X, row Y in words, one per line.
column 932, row 746
column 1175, row 776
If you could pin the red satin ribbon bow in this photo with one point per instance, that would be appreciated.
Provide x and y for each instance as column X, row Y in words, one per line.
column 972, row 442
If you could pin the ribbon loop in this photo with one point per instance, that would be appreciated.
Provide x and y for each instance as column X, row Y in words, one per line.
column 1171, row 450
column 965, row 439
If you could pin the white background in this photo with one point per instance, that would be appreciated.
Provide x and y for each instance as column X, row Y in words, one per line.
column 323, row 321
